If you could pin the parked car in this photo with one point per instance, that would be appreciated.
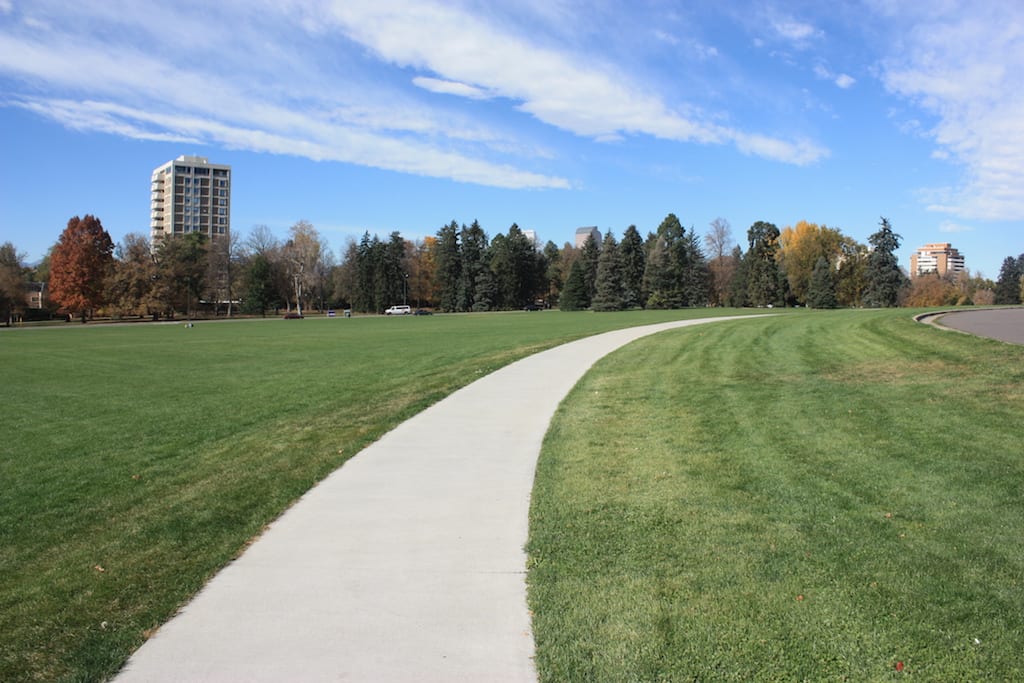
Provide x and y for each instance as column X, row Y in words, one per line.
column 531, row 307
column 292, row 316
column 423, row 311
column 399, row 310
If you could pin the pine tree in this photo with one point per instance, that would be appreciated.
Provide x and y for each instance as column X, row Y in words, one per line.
column 1008, row 286
column 764, row 278
column 474, row 246
column 883, row 274
column 737, row 296
column 609, row 291
column 696, row 277
column 821, row 292
column 449, row 266
column 589, row 255
column 574, row 293
column 554, row 273
column 632, row 259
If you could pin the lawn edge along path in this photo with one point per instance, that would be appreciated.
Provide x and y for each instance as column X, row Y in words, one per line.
column 405, row 564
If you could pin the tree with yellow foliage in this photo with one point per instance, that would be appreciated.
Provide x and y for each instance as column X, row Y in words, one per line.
column 800, row 247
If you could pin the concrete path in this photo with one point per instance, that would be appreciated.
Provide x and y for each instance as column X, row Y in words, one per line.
column 1005, row 324
column 406, row 564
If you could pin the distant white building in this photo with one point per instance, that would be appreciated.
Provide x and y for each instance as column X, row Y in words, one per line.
column 187, row 195
column 583, row 233
column 939, row 258
column 532, row 236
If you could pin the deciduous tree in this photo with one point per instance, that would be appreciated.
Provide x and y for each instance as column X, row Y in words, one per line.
column 721, row 263
column 302, row 253
column 260, row 292
column 800, row 247
column 130, row 287
column 13, row 281
column 181, row 267
column 80, row 265
column 223, row 270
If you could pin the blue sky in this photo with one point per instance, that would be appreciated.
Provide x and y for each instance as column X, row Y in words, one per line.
column 383, row 115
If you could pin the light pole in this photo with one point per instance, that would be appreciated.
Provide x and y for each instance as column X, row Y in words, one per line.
column 405, row 290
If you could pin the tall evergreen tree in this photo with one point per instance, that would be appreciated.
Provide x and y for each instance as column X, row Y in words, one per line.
column 395, row 284
column 633, row 262
column 588, row 256
column 696, row 276
column 485, row 294
column 474, row 244
column 1008, row 286
column 657, row 282
column 609, row 291
column 883, row 275
column 554, row 273
column 449, row 266
column 821, row 291
column 574, row 293
column 737, row 294
column 764, row 278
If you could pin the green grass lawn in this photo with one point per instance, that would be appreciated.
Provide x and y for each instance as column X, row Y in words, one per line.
column 138, row 460
column 819, row 496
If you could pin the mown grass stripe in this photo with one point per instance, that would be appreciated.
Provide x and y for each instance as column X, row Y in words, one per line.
column 810, row 497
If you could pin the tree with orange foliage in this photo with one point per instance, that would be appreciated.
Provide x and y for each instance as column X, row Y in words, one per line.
column 931, row 289
column 81, row 261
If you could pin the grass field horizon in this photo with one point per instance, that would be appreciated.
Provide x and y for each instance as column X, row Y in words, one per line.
column 140, row 459
column 823, row 496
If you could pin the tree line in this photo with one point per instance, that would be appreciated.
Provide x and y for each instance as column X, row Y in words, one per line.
column 461, row 269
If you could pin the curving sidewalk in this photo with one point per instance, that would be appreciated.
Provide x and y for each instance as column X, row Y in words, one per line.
column 407, row 563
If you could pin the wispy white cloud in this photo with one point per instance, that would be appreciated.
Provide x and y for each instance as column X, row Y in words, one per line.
column 177, row 100
column 965, row 66
column 576, row 93
column 445, row 87
column 318, row 79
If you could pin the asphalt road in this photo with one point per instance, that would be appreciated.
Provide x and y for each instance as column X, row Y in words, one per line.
column 1005, row 324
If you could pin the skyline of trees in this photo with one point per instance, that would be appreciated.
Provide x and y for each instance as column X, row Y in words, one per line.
column 461, row 269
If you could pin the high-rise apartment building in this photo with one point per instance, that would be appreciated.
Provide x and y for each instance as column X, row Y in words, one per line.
column 583, row 233
column 939, row 258
column 190, row 194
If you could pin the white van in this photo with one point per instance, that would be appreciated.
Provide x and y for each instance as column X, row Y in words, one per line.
column 398, row 310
